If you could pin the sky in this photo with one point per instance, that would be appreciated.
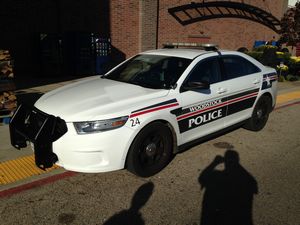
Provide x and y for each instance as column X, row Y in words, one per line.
column 292, row 2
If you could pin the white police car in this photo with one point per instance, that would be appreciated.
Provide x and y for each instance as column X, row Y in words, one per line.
column 139, row 114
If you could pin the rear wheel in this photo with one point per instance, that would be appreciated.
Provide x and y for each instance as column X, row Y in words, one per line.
column 260, row 114
column 151, row 150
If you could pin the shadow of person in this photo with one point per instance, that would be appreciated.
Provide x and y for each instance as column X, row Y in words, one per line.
column 228, row 193
column 132, row 216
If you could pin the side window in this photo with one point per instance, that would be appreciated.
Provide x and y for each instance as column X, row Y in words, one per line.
column 206, row 70
column 236, row 66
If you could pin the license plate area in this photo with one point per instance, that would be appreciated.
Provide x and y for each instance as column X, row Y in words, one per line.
column 39, row 128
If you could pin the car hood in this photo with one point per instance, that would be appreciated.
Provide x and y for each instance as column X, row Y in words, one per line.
column 96, row 98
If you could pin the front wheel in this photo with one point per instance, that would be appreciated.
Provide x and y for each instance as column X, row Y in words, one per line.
column 260, row 114
column 151, row 150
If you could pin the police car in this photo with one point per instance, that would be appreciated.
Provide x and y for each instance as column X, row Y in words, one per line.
column 140, row 113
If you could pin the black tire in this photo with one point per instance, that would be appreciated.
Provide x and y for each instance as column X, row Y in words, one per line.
column 151, row 150
column 260, row 114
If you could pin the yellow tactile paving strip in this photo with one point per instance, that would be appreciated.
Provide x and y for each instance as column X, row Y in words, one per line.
column 24, row 167
column 288, row 97
column 20, row 168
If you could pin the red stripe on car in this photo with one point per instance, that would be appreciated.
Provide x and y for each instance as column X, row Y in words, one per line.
column 154, row 109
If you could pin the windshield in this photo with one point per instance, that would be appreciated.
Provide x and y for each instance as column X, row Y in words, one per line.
column 151, row 71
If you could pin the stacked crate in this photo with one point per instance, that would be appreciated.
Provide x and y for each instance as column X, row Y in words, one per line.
column 8, row 100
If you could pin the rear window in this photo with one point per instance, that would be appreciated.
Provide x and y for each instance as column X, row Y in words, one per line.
column 236, row 66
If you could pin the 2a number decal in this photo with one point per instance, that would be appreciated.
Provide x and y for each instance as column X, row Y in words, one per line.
column 135, row 122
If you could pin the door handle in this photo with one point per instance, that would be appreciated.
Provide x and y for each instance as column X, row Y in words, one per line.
column 256, row 81
column 221, row 90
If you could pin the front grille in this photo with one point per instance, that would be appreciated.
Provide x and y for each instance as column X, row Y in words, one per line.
column 41, row 129
column 34, row 122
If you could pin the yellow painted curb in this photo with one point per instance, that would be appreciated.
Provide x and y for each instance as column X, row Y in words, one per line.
column 20, row 168
column 288, row 97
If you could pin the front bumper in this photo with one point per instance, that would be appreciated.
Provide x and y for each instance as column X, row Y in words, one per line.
column 56, row 141
column 95, row 152
column 33, row 125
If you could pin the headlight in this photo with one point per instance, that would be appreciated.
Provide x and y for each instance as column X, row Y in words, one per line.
column 99, row 125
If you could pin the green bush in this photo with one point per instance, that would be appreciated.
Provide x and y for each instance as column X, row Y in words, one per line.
column 294, row 65
column 283, row 57
column 281, row 78
column 268, row 56
column 291, row 77
column 263, row 47
column 255, row 55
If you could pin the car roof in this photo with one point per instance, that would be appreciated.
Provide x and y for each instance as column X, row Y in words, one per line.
column 190, row 53
column 178, row 52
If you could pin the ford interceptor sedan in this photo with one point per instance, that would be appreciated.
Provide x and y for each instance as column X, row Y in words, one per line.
column 138, row 114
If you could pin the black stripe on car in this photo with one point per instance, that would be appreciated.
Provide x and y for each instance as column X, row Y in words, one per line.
column 241, row 105
column 156, row 105
column 209, row 111
column 242, row 94
column 201, row 119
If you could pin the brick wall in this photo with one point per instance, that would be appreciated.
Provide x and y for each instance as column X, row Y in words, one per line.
column 124, row 28
column 133, row 25
column 228, row 33
column 148, row 24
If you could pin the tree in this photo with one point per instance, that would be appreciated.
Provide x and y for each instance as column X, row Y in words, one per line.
column 290, row 26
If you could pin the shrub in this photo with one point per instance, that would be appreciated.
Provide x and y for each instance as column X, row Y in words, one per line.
column 255, row 55
column 269, row 57
column 283, row 57
column 263, row 47
column 294, row 65
column 243, row 49
column 281, row 78
column 291, row 77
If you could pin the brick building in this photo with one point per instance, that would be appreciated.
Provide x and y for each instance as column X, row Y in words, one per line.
column 131, row 25
column 149, row 24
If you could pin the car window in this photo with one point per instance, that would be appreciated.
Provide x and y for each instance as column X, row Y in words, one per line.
column 206, row 70
column 236, row 66
column 151, row 71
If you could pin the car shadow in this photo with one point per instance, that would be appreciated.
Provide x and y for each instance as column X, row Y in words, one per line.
column 132, row 215
column 185, row 147
column 228, row 194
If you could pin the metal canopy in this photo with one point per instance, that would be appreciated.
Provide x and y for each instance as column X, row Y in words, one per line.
column 195, row 12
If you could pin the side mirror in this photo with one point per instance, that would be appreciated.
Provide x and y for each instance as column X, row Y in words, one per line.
column 190, row 86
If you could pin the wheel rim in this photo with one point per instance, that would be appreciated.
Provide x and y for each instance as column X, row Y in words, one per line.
column 152, row 150
column 261, row 113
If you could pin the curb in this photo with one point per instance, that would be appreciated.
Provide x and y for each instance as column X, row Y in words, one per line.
column 35, row 184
